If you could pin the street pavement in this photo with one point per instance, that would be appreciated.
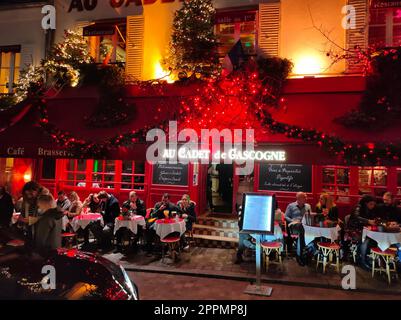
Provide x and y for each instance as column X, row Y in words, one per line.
column 155, row 286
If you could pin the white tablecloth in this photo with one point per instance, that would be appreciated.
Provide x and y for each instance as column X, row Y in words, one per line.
column 65, row 222
column 164, row 229
column 15, row 217
column 384, row 239
column 131, row 224
column 311, row 233
column 83, row 220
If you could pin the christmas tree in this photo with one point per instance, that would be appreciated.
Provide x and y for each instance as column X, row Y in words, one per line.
column 66, row 58
column 193, row 46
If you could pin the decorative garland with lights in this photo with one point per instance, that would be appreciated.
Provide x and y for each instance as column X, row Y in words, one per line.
column 241, row 98
column 245, row 93
column 82, row 148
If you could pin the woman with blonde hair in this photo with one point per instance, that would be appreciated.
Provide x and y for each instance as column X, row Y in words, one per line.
column 326, row 207
column 76, row 205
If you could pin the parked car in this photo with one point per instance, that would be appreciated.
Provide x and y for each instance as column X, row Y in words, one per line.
column 78, row 276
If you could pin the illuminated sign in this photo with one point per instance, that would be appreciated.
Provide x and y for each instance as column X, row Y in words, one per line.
column 233, row 155
column 89, row 5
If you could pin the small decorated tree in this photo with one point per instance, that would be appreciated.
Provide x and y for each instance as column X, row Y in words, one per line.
column 193, row 46
column 66, row 58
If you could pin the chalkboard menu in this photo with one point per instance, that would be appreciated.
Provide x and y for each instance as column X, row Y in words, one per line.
column 285, row 177
column 170, row 174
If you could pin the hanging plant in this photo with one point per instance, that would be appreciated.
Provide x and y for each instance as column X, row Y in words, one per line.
column 380, row 106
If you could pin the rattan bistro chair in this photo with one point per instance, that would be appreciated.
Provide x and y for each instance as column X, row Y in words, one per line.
column 325, row 256
column 272, row 248
column 388, row 257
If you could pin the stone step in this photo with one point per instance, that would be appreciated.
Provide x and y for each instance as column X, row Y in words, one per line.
column 219, row 223
column 215, row 231
column 210, row 241
column 202, row 226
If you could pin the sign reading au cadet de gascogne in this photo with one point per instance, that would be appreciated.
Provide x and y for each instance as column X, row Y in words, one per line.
column 89, row 5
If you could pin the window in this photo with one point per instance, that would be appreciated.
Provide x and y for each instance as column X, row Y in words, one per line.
column 133, row 175
column 103, row 174
column 107, row 42
column 10, row 58
column 398, row 181
column 76, row 173
column 385, row 27
column 48, row 168
column 234, row 26
column 336, row 181
column 372, row 180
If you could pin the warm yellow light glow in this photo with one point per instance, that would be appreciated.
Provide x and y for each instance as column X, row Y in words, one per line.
column 308, row 65
column 27, row 177
column 162, row 74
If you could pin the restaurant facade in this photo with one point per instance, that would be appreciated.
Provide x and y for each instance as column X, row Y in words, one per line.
column 138, row 33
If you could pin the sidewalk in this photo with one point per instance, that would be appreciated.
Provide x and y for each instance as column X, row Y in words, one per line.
column 218, row 263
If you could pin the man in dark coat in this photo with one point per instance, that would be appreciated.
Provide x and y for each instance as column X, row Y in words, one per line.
column 136, row 205
column 111, row 210
column 163, row 205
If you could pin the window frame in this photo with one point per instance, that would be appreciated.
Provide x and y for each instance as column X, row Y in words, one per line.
column 11, row 69
column 371, row 184
column 74, row 172
column 389, row 26
column 133, row 175
column 335, row 185
column 237, row 28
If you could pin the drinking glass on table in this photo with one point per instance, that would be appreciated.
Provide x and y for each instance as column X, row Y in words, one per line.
column 166, row 213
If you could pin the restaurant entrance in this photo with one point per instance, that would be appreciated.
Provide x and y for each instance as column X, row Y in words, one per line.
column 220, row 188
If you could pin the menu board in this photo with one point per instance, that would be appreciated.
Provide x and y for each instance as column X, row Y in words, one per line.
column 285, row 177
column 170, row 174
column 258, row 213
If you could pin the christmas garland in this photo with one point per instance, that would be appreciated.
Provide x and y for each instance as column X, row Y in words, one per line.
column 82, row 148
column 245, row 89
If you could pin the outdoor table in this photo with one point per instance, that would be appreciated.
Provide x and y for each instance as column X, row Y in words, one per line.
column 15, row 217
column 278, row 233
column 384, row 239
column 130, row 223
column 83, row 220
column 312, row 232
column 164, row 227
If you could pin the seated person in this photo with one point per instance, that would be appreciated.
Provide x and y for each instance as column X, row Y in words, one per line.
column 137, row 206
column 326, row 208
column 164, row 205
column 63, row 202
column 363, row 215
column 187, row 208
column 294, row 214
column 388, row 211
column 48, row 225
column 92, row 203
column 76, row 206
column 110, row 212
column 126, row 213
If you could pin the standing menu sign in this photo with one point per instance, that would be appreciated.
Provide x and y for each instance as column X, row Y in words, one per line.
column 285, row 177
column 170, row 174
